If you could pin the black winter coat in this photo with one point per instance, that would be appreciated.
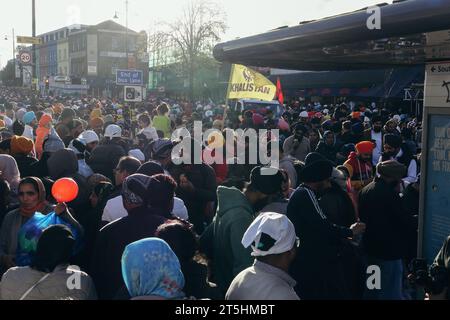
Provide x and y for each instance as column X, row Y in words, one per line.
column 105, row 157
column 388, row 225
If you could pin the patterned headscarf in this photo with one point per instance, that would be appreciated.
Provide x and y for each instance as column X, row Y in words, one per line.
column 151, row 268
column 135, row 187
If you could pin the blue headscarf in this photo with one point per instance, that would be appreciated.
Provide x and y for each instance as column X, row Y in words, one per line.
column 151, row 268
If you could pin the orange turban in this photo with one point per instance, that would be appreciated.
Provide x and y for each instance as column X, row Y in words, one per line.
column 45, row 119
column 57, row 109
column 21, row 145
column 96, row 122
column 365, row 147
column 356, row 115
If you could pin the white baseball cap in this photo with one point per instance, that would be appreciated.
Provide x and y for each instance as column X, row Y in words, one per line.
column 304, row 114
column 138, row 154
column 113, row 131
column 276, row 226
column 89, row 136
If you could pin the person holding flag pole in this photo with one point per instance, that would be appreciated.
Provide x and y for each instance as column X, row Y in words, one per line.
column 246, row 83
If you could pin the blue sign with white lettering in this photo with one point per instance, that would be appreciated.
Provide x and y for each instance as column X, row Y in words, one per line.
column 129, row 78
column 437, row 196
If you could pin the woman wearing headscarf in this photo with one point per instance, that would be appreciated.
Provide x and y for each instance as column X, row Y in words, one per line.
column 10, row 171
column 182, row 239
column 327, row 146
column 50, row 274
column 45, row 124
column 32, row 198
column 152, row 271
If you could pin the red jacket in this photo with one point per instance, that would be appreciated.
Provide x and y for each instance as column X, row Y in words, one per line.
column 360, row 172
column 221, row 170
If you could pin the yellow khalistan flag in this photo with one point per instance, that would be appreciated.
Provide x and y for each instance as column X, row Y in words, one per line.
column 246, row 83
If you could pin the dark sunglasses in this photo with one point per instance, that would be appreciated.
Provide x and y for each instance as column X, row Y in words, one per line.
column 29, row 193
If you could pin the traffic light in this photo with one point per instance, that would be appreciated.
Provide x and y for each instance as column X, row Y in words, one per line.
column 47, row 84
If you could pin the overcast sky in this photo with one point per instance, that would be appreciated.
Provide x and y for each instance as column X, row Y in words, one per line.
column 244, row 17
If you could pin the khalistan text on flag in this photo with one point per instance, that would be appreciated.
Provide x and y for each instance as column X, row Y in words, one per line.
column 246, row 83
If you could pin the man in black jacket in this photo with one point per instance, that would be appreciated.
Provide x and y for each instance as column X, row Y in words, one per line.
column 388, row 228
column 197, row 187
column 106, row 156
column 394, row 149
column 317, row 268
column 327, row 146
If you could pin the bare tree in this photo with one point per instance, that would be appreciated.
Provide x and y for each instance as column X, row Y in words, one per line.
column 195, row 33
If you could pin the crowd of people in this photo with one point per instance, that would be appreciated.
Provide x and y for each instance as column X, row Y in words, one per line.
column 344, row 197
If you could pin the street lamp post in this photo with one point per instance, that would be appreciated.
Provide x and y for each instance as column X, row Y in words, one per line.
column 126, row 30
column 126, row 33
column 14, row 46
column 14, row 49
column 34, row 75
column 33, row 9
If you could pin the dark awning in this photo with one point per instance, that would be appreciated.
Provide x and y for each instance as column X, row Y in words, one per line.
column 382, row 83
column 344, row 42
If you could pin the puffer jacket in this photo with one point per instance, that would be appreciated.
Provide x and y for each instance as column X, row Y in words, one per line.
column 361, row 173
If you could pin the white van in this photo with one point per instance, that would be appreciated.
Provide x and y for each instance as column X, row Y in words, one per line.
column 260, row 106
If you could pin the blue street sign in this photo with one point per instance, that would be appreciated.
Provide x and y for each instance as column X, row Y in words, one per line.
column 129, row 77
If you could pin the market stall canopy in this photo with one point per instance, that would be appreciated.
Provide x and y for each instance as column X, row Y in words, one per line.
column 412, row 33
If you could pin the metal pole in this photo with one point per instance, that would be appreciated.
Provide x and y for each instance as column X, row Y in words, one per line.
column 126, row 33
column 14, row 46
column 34, row 35
column 14, row 54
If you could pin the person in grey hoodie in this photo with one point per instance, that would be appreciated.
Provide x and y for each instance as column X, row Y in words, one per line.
column 221, row 241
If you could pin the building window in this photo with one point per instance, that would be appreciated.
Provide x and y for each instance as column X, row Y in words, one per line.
column 65, row 71
column 65, row 54
column 114, row 44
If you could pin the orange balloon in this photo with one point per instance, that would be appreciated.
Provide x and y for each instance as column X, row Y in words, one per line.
column 65, row 190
